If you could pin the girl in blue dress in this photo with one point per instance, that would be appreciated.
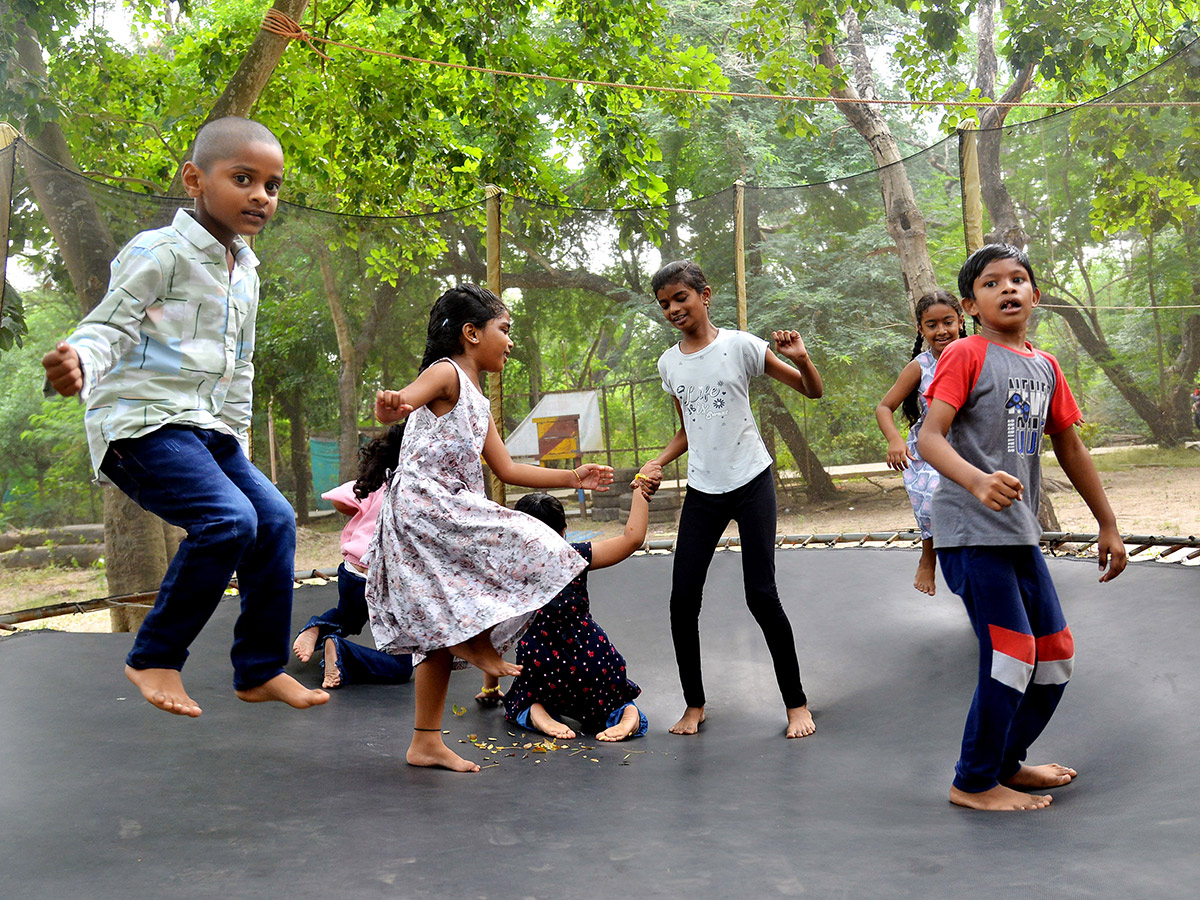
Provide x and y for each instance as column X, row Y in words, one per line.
column 939, row 324
column 569, row 667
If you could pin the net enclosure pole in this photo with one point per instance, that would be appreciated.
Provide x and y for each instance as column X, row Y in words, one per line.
column 968, row 179
column 495, row 380
column 739, row 249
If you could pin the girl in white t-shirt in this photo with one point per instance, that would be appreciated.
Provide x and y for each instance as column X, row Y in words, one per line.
column 729, row 478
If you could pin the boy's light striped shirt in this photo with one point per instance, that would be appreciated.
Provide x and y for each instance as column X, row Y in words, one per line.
column 172, row 340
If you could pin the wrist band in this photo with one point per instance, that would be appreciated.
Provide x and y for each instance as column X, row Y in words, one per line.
column 575, row 472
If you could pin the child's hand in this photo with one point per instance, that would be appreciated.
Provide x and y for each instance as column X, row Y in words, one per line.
column 648, row 479
column 594, row 477
column 1112, row 554
column 998, row 490
column 791, row 345
column 390, row 408
column 898, row 455
column 63, row 369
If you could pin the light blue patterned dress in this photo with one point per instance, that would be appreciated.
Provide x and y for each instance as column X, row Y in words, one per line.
column 920, row 478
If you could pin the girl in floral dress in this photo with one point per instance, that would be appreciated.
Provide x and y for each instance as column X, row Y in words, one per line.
column 939, row 323
column 569, row 667
column 452, row 577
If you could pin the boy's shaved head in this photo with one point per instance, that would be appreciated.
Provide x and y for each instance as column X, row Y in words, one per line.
column 221, row 139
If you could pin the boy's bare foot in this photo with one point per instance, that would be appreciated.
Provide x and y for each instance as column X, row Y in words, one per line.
column 427, row 749
column 333, row 675
column 480, row 652
column 999, row 798
column 306, row 643
column 689, row 723
column 286, row 689
column 631, row 721
column 164, row 688
column 547, row 724
column 925, row 582
column 1043, row 777
column 800, row 722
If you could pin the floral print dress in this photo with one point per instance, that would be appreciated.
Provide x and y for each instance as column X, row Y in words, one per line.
column 570, row 665
column 446, row 563
column 920, row 478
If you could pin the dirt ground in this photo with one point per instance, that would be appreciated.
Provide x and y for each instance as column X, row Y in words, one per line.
column 1148, row 499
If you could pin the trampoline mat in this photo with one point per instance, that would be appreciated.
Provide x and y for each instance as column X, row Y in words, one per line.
column 106, row 797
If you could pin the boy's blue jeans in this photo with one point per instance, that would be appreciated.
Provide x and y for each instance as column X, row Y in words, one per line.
column 235, row 520
column 1026, row 656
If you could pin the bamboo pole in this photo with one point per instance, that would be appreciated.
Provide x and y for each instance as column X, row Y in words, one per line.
column 968, row 179
column 739, row 249
column 495, row 380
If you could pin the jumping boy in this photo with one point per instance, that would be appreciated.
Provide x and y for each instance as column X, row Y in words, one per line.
column 990, row 402
column 164, row 365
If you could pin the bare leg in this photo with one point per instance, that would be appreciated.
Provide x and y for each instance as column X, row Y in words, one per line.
column 1042, row 777
column 690, row 722
column 999, row 798
column 925, row 582
column 164, row 688
column 306, row 643
column 631, row 720
column 479, row 652
column 491, row 695
column 547, row 724
column 333, row 675
column 427, row 747
column 286, row 689
column 800, row 722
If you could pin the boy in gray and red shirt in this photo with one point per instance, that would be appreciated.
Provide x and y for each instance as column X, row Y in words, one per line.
column 991, row 401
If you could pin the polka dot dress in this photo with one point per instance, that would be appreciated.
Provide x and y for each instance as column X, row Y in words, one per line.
column 570, row 665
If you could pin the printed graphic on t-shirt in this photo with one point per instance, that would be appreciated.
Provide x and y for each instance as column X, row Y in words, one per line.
column 1028, row 402
column 703, row 401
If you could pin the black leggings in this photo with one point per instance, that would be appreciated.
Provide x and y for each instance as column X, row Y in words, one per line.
column 701, row 523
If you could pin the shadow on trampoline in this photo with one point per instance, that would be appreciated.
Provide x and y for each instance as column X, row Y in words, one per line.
column 106, row 797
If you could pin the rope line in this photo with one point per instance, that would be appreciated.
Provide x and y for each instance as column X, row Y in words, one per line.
column 285, row 26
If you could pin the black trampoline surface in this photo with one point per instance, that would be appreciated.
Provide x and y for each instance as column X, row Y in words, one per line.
column 107, row 797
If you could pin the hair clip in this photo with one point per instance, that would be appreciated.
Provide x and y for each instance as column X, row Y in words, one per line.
column 445, row 321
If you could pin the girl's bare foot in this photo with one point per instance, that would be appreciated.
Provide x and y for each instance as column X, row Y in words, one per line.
column 925, row 582
column 547, row 724
column 1043, row 777
column 999, row 798
column 428, row 749
column 286, row 689
column 480, row 652
column 490, row 695
column 800, row 722
column 631, row 721
column 164, row 688
column 333, row 675
column 690, row 722
column 306, row 643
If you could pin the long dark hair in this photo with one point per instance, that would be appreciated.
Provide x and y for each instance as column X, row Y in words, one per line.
column 910, row 407
column 544, row 508
column 376, row 459
column 451, row 311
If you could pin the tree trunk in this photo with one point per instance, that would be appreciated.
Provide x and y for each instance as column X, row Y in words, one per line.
column 905, row 222
column 247, row 83
column 293, row 408
column 819, row 485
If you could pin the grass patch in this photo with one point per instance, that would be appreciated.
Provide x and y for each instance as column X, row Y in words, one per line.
column 30, row 588
column 1141, row 457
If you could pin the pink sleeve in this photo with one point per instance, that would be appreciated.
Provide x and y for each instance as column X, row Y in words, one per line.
column 344, row 494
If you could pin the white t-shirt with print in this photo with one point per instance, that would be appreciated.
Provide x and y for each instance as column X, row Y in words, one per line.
column 725, row 450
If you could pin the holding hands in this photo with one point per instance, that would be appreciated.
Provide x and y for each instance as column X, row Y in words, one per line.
column 648, row 479
column 63, row 369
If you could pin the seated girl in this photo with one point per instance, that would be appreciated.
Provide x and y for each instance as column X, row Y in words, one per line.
column 570, row 669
